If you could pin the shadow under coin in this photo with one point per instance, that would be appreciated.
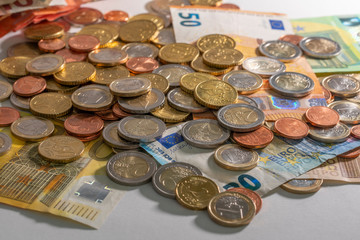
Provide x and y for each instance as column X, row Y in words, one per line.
column 294, row 195
column 204, row 222
column 48, row 218
column 165, row 204
column 102, row 178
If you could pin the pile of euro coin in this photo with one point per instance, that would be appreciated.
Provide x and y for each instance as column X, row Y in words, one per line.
column 126, row 80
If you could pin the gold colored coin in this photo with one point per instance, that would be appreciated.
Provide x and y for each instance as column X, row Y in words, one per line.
column 29, row 49
column 44, row 31
column 235, row 157
column 50, row 105
column 113, row 28
column 5, row 90
column 178, row 53
column 45, row 65
column 31, row 128
column 104, row 35
column 215, row 94
column 302, row 186
column 151, row 17
column 170, row 114
column 52, row 86
column 195, row 192
column 14, row 67
column 116, row 44
column 105, row 75
column 157, row 81
column 215, row 41
column 92, row 97
column 75, row 73
column 199, row 65
column 222, row 57
column 189, row 81
column 61, row 149
column 212, row 3
column 138, row 31
column 232, row 209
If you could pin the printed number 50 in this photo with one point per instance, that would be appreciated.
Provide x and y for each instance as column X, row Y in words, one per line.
column 190, row 23
column 246, row 181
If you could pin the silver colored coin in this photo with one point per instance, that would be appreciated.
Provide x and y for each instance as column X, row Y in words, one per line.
column 240, row 117
column 31, row 128
column 339, row 133
column 20, row 102
column 302, row 182
column 173, row 73
column 320, row 47
column 112, row 138
column 292, row 84
column 140, row 50
column 45, row 64
column 243, row 81
column 108, row 57
column 247, row 100
column 165, row 36
column 5, row 90
column 130, row 86
column 235, row 157
column 349, row 111
column 342, row 85
column 167, row 176
column 141, row 128
column 131, row 168
column 204, row 133
column 183, row 101
column 92, row 97
column 280, row 50
column 263, row 66
column 143, row 104
column 5, row 143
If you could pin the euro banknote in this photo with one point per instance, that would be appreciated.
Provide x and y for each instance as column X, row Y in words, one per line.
column 192, row 22
column 344, row 30
column 280, row 161
column 80, row 190
column 337, row 169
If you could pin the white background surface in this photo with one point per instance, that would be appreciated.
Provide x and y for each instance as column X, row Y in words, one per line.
column 332, row 213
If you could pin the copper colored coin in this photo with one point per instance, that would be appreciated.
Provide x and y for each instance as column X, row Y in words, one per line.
column 251, row 194
column 29, row 86
column 355, row 131
column 118, row 112
column 291, row 128
column 83, row 43
column 229, row 6
column 328, row 95
column 86, row 138
column 142, row 64
column 83, row 124
column 71, row 56
column 292, row 38
column 351, row 154
column 8, row 115
column 323, row 117
column 84, row 16
column 107, row 115
column 64, row 24
column 51, row 45
column 116, row 16
column 259, row 138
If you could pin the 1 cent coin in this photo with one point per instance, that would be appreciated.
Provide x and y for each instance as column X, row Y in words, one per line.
column 29, row 86
column 83, row 124
column 291, row 128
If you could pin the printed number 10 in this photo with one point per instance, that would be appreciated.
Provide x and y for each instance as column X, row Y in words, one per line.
column 192, row 22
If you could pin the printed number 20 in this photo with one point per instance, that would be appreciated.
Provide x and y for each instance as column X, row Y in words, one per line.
column 244, row 180
column 190, row 22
